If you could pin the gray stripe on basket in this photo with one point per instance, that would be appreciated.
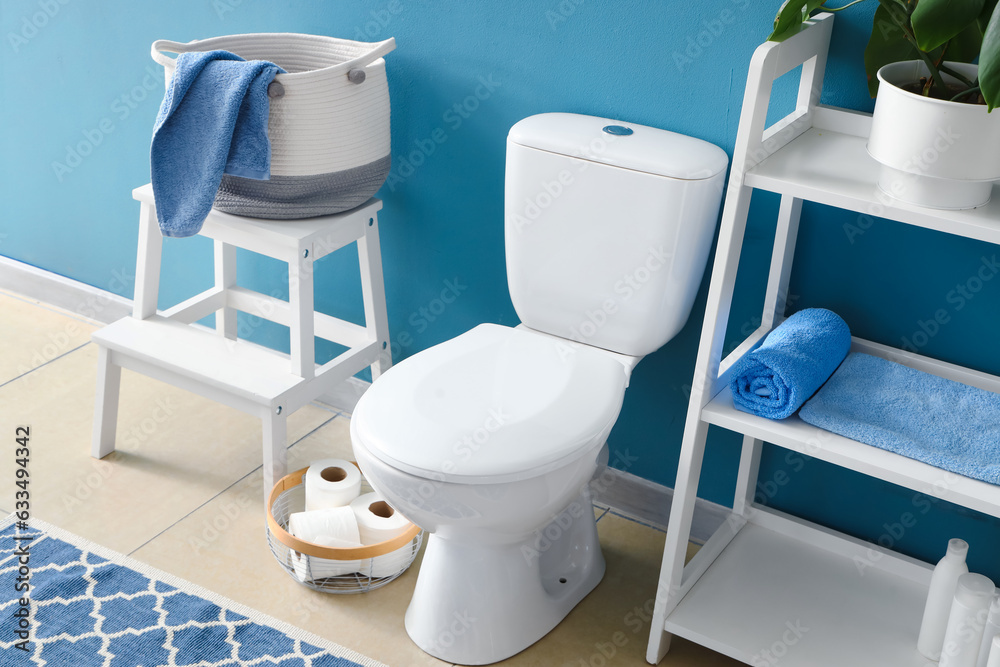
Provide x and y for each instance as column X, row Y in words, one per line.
column 292, row 197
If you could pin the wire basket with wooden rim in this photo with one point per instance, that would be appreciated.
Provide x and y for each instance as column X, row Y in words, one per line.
column 331, row 569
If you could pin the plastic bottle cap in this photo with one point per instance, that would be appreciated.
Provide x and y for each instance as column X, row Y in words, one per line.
column 957, row 547
column 974, row 590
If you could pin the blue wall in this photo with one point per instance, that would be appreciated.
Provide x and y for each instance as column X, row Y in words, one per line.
column 79, row 94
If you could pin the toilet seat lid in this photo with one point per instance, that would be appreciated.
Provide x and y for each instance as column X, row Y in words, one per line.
column 494, row 402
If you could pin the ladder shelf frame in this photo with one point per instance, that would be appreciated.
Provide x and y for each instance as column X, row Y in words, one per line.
column 759, row 163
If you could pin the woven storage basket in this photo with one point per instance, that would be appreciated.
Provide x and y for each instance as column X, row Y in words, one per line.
column 309, row 563
column 328, row 125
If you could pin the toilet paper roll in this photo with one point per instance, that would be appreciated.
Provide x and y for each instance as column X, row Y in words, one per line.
column 317, row 526
column 309, row 568
column 388, row 564
column 335, row 527
column 331, row 483
column 377, row 520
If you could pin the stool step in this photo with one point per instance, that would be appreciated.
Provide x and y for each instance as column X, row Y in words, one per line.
column 245, row 369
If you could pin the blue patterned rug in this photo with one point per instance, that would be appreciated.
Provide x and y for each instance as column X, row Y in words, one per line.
column 90, row 606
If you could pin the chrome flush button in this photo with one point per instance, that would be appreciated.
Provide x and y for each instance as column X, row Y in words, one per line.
column 618, row 130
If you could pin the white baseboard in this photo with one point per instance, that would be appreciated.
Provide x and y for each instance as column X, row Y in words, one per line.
column 650, row 502
column 345, row 396
column 78, row 298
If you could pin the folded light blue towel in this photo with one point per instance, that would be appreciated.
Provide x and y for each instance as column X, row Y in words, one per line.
column 213, row 120
column 921, row 416
column 791, row 363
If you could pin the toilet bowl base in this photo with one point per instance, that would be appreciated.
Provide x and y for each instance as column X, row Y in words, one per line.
column 475, row 604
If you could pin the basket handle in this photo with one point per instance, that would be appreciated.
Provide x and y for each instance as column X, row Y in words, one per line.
column 363, row 60
column 161, row 45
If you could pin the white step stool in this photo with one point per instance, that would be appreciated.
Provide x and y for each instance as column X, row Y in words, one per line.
column 236, row 372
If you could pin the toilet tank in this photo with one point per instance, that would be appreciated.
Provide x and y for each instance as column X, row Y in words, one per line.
column 607, row 228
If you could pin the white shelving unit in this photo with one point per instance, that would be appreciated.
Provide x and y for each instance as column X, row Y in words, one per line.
column 220, row 365
column 770, row 588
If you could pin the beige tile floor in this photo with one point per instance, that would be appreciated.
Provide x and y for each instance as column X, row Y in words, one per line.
column 183, row 493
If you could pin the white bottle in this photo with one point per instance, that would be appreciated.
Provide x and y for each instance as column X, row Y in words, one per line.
column 991, row 631
column 939, row 598
column 994, row 659
column 967, row 621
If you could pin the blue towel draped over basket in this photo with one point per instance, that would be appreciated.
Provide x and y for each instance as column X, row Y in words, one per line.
column 213, row 120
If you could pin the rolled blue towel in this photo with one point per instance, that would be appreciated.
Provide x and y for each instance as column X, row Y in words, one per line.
column 213, row 120
column 792, row 362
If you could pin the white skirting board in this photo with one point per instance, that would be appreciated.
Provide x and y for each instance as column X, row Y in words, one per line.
column 627, row 493
column 650, row 502
column 90, row 303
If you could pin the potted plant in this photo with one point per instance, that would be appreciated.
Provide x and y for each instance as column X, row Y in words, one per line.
column 932, row 130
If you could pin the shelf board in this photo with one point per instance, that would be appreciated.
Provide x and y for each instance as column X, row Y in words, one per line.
column 806, row 600
column 793, row 433
column 834, row 168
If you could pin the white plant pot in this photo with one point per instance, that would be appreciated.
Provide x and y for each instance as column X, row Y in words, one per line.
column 934, row 153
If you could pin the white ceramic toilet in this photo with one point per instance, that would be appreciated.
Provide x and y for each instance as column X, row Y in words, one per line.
column 488, row 440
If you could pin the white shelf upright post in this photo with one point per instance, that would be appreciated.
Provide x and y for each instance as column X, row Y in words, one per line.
column 754, row 143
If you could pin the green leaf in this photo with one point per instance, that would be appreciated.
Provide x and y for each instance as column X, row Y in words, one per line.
column 964, row 47
column 788, row 21
column 984, row 16
column 937, row 21
column 989, row 63
column 887, row 45
column 790, row 17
